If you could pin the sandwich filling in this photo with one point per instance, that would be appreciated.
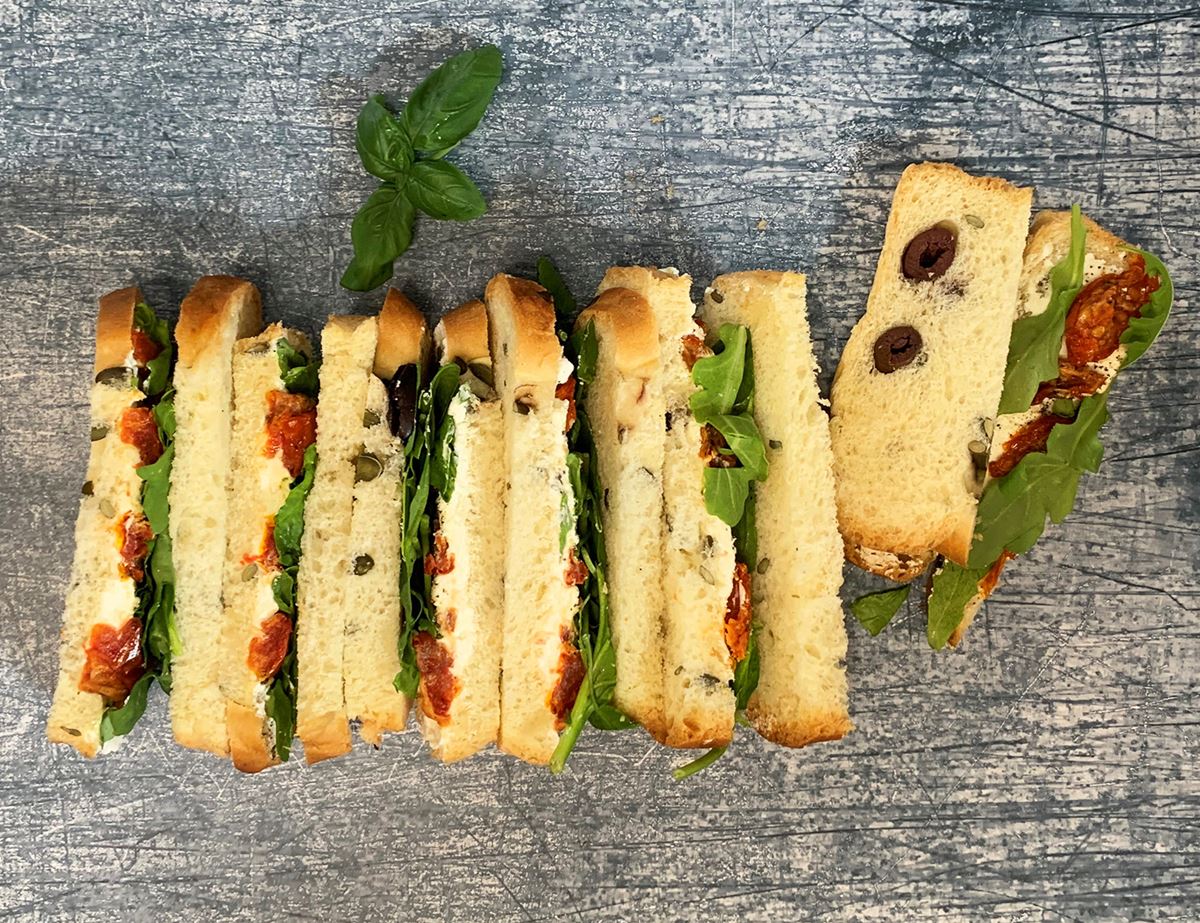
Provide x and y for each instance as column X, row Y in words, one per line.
column 125, row 653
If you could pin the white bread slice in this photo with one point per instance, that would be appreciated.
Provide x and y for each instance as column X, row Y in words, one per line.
column 625, row 406
column 1049, row 242
column 370, row 654
column 698, row 553
column 539, row 605
column 98, row 593
column 258, row 485
column 217, row 311
column 468, row 601
column 801, row 695
column 906, row 482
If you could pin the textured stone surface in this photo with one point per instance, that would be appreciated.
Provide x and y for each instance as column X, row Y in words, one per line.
column 1046, row 770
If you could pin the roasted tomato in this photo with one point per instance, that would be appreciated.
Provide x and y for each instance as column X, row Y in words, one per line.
column 135, row 533
column 737, row 614
column 268, row 555
column 144, row 347
column 291, row 427
column 711, row 444
column 1102, row 310
column 1071, row 382
column 438, row 683
column 139, row 429
column 1029, row 438
column 693, row 349
column 571, row 672
column 566, row 392
column 270, row 646
column 577, row 571
column 440, row 560
column 114, row 661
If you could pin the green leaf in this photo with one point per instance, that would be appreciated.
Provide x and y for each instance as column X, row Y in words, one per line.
column 745, row 441
column 441, row 190
column 953, row 588
column 361, row 277
column 382, row 142
column 283, row 588
column 281, row 702
column 117, row 722
column 450, row 102
column 699, row 764
column 1013, row 509
column 299, row 372
column 719, row 376
column 745, row 532
column 159, row 368
column 157, row 478
column 381, row 231
column 289, row 521
column 586, row 348
column 725, row 493
column 1144, row 329
column 745, row 673
column 1037, row 340
column 551, row 280
column 164, row 416
column 875, row 610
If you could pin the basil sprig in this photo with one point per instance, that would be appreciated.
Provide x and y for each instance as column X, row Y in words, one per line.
column 405, row 152
column 156, row 591
column 429, row 470
column 725, row 400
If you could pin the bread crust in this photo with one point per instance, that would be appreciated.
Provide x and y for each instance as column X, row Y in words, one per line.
column 114, row 328
column 247, row 746
column 208, row 307
column 535, row 348
column 463, row 334
column 403, row 336
column 629, row 329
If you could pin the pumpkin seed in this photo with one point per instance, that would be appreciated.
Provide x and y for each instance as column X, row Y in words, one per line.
column 764, row 565
column 708, row 577
column 116, row 377
column 973, row 220
column 483, row 371
column 87, row 489
column 258, row 349
column 366, row 468
column 371, row 418
column 249, row 572
column 775, row 444
column 107, row 509
column 99, row 432
column 362, row 564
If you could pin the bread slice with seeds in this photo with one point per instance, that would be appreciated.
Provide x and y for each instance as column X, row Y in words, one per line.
column 921, row 375
column 801, row 695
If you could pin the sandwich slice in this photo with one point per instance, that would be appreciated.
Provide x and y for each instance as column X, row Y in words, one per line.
column 272, row 466
column 118, row 632
column 454, row 637
column 541, row 664
column 218, row 311
column 349, row 625
column 790, row 547
column 924, row 368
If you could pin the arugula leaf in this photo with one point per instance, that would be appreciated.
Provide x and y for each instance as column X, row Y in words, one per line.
column 745, row 533
column 117, row 722
column 586, row 349
column 1144, row 329
column 159, row 368
column 450, row 102
column 725, row 493
column 745, row 673
column 953, row 587
column 1036, row 340
column 280, row 705
column 381, row 231
column 875, row 610
column 283, row 589
column 155, row 490
column 299, row 373
column 720, row 376
column 699, row 764
column 289, row 521
column 1013, row 509
column 441, row 190
column 745, row 441
column 551, row 280
column 382, row 142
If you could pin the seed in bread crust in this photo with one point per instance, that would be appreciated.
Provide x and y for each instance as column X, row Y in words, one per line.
column 929, row 254
column 366, row 467
column 363, row 564
column 99, row 432
column 896, row 348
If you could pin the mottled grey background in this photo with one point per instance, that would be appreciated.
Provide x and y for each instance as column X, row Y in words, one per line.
column 1046, row 770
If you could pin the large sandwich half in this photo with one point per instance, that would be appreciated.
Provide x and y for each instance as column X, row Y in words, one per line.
column 118, row 630
column 347, row 600
column 217, row 312
column 272, row 466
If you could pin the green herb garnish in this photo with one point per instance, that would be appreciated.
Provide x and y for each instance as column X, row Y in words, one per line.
column 299, row 372
column 875, row 610
column 406, row 153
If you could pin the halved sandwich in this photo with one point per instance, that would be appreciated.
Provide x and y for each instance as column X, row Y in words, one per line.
column 118, row 631
column 455, row 634
column 218, row 311
column 924, row 367
column 791, row 547
column 349, row 617
column 273, row 462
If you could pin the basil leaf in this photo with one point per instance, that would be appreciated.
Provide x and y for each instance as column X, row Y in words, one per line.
column 699, row 764
column 1144, row 329
column 1013, row 509
column 725, row 493
column 441, row 190
column 745, row 441
column 449, row 103
column 362, row 277
column 159, row 368
column 875, row 610
column 382, row 142
column 1036, row 340
column 289, row 521
column 953, row 587
column 382, row 230
column 444, row 466
column 551, row 280
column 720, row 376
column 117, row 722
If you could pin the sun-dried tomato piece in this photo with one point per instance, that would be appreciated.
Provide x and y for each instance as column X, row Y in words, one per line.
column 270, row 646
column 571, row 672
column 737, row 613
column 711, row 445
column 139, row 429
column 1102, row 310
column 114, row 661
column 440, row 560
column 577, row 571
column 291, row 427
column 566, row 392
column 145, row 347
column 1029, row 438
column 439, row 685
column 136, row 534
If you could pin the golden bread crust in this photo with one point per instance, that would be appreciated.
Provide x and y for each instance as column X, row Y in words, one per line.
column 114, row 326
column 536, row 351
column 247, row 747
column 463, row 334
column 626, row 323
column 403, row 336
column 213, row 302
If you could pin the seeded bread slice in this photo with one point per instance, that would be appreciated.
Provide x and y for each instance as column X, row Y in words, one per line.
column 906, row 482
column 625, row 407
column 98, row 593
column 539, row 605
column 801, row 695
column 468, row 600
column 217, row 311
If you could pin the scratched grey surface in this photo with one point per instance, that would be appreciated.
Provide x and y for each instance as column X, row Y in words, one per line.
column 1047, row 770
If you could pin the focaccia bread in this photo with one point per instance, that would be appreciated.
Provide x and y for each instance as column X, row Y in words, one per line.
column 920, row 378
